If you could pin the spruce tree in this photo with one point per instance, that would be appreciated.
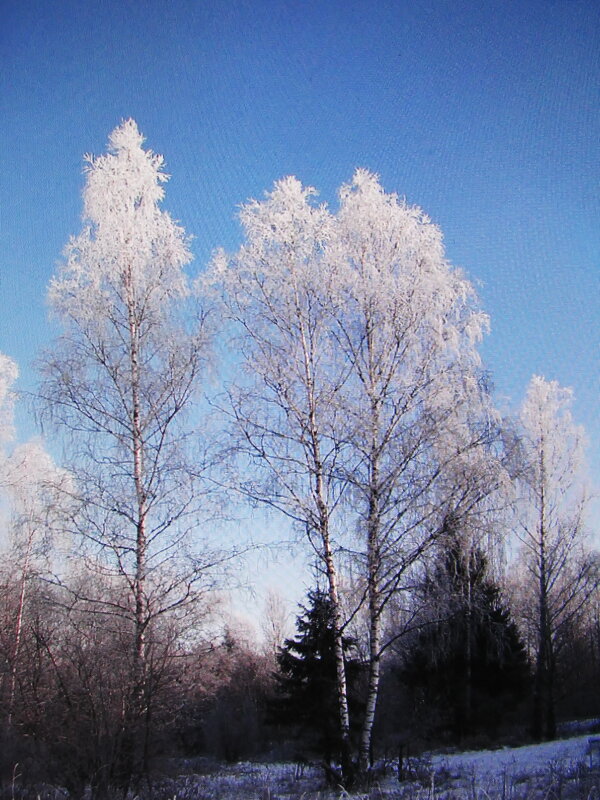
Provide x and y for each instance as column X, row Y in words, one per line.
column 468, row 667
column 306, row 681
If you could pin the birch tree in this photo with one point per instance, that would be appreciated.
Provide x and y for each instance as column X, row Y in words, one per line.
column 364, row 403
column 285, row 408
column 8, row 375
column 36, row 491
column 118, row 383
column 32, row 494
column 419, row 421
column 561, row 572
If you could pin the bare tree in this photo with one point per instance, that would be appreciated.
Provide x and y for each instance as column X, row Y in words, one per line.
column 275, row 621
column 36, row 491
column 561, row 572
column 8, row 375
column 118, row 383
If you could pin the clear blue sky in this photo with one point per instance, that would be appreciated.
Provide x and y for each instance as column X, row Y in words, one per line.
column 485, row 113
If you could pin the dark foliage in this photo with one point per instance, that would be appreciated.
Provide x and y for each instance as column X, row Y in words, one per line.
column 467, row 669
column 306, row 682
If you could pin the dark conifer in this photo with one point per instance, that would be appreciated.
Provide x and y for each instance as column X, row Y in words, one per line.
column 306, row 680
column 468, row 667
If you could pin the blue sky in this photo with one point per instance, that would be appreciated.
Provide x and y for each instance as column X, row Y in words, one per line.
column 484, row 113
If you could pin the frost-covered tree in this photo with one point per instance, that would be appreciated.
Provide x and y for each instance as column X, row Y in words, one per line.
column 37, row 493
column 8, row 375
column 33, row 492
column 119, row 382
column 560, row 571
column 363, row 412
column 285, row 406
column 418, row 418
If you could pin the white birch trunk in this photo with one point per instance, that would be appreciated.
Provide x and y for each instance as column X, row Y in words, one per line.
column 18, row 630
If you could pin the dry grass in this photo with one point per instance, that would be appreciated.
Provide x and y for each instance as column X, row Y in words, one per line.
column 250, row 781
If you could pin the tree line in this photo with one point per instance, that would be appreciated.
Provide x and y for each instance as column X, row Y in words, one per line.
column 356, row 405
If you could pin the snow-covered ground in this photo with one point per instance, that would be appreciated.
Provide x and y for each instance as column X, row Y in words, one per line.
column 531, row 759
column 565, row 768
column 562, row 769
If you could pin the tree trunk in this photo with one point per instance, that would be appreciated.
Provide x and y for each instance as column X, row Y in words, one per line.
column 18, row 631
column 466, row 722
column 139, row 716
column 550, row 710
column 373, row 559
column 366, row 748
column 324, row 531
column 545, row 723
column 342, row 688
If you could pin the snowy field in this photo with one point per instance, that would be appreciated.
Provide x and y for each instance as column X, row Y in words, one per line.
column 563, row 768
column 532, row 759
column 560, row 770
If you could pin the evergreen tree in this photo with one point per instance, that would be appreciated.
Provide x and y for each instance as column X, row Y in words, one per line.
column 306, row 681
column 468, row 666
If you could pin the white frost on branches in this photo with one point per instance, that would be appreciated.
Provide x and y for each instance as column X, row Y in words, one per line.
column 129, row 249
column 364, row 408
column 36, row 487
column 560, row 571
column 9, row 372
column 120, row 381
column 33, row 487
column 554, row 443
